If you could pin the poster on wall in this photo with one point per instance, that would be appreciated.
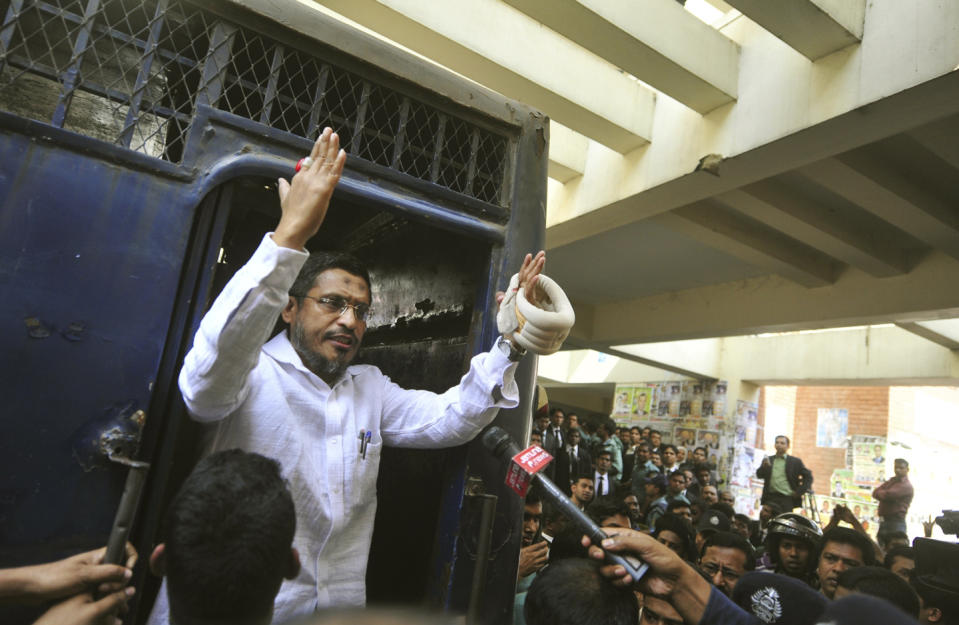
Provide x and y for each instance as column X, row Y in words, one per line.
column 868, row 462
column 832, row 427
column 642, row 400
column 841, row 483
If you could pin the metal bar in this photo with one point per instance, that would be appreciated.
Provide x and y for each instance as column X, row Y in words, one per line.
column 438, row 149
column 215, row 64
column 143, row 76
column 356, row 142
column 400, row 142
column 126, row 511
column 71, row 77
column 278, row 54
column 112, row 33
column 8, row 28
column 111, row 94
column 483, row 543
column 471, row 166
column 313, row 129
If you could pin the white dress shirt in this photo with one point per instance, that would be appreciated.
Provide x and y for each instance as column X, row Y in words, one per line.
column 601, row 490
column 263, row 399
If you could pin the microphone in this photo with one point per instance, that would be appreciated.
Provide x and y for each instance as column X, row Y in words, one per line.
column 501, row 445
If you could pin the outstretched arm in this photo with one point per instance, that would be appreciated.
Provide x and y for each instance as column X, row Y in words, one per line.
column 55, row 580
column 669, row 577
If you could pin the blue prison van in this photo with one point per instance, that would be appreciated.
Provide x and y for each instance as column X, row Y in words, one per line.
column 140, row 143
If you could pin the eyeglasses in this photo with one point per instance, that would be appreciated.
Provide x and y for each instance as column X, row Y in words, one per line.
column 711, row 568
column 339, row 305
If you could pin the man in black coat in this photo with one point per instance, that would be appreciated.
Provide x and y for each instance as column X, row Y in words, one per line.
column 573, row 460
column 785, row 477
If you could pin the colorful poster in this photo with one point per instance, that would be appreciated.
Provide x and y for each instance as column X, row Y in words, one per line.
column 684, row 436
column 832, row 427
column 841, row 483
column 708, row 439
column 868, row 462
column 744, row 466
column 622, row 401
column 642, row 400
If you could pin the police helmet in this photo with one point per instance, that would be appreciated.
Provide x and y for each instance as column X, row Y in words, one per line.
column 794, row 525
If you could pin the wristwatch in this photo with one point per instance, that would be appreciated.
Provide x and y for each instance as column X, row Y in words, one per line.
column 511, row 351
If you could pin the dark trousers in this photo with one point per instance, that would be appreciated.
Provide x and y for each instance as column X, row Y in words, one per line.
column 785, row 502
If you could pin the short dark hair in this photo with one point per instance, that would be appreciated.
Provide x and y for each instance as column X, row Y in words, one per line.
column 572, row 592
column 704, row 450
column 318, row 262
column 899, row 551
column 933, row 597
column 655, row 431
column 901, row 460
column 567, row 544
column 730, row 540
column 607, row 424
column 846, row 536
column 668, row 446
column 232, row 517
column 783, row 436
column 604, row 452
column 555, row 410
column 882, row 583
column 682, row 528
column 725, row 508
column 678, row 503
column 885, row 538
column 605, row 508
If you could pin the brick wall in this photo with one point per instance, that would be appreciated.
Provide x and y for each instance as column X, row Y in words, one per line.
column 868, row 414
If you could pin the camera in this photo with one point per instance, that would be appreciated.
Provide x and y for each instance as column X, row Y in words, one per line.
column 949, row 521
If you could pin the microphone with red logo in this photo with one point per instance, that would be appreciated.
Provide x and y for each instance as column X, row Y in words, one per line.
column 501, row 445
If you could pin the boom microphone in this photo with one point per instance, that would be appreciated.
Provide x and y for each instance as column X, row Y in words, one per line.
column 501, row 445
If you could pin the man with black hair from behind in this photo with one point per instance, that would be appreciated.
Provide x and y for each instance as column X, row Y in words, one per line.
column 878, row 582
column 228, row 542
column 573, row 592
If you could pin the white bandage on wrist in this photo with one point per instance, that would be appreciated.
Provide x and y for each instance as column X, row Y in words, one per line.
column 539, row 329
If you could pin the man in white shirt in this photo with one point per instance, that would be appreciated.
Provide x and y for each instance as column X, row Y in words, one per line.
column 296, row 397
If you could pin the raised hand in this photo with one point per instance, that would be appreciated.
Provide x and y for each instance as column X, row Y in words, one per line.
column 304, row 202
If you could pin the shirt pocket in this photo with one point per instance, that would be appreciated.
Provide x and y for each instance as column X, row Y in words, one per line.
column 363, row 475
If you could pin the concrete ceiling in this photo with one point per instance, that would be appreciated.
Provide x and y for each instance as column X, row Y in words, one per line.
column 756, row 167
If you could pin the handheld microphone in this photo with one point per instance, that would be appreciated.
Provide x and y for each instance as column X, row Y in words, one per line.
column 501, row 445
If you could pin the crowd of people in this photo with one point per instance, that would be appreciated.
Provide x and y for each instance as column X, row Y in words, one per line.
column 708, row 563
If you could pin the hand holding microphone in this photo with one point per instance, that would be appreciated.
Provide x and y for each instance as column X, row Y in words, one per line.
column 501, row 445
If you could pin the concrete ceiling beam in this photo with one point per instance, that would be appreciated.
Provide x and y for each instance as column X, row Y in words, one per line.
column 814, row 28
column 881, row 188
column 656, row 41
column 775, row 304
column 821, row 227
column 505, row 50
column 898, row 113
column 567, row 153
column 649, row 362
column 930, row 335
column 728, row 231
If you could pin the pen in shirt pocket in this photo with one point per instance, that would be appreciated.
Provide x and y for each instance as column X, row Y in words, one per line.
column 365, row 436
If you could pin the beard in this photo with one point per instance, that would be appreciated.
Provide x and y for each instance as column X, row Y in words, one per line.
column 326, row 369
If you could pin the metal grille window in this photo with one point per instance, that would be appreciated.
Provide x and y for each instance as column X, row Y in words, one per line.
column 132, row 72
